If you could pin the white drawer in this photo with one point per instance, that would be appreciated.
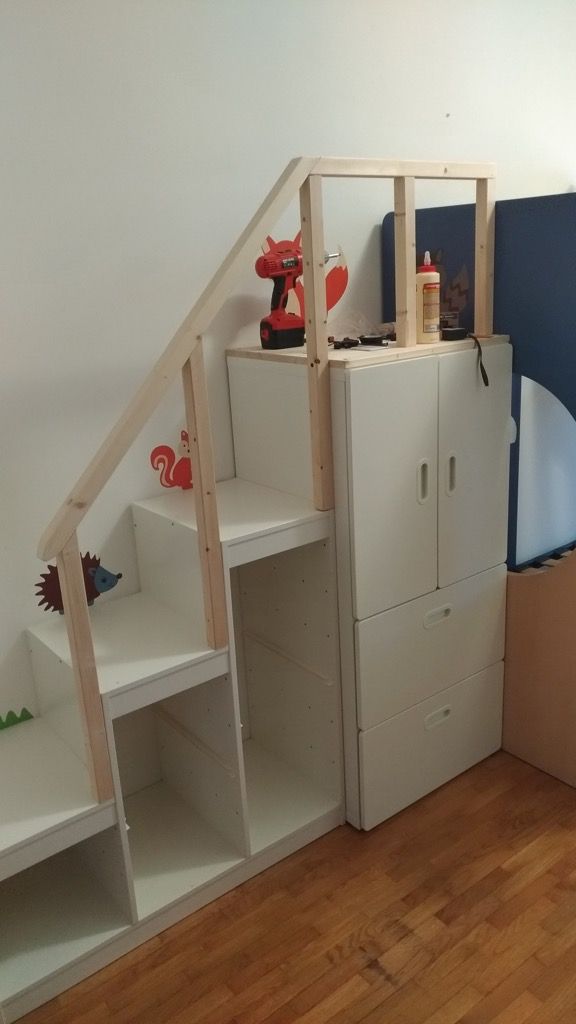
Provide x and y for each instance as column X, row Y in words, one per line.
column 420, row 749
column 411, row 652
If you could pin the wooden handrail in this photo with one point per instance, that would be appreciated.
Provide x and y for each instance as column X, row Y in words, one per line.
column 179, row 350
column 342, row 167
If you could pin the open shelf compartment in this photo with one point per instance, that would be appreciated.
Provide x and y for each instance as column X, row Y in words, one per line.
column 286, row 643
column 180, row 778
column 58, row 911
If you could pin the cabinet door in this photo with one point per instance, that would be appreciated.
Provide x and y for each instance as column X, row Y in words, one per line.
column 392, row 457
column 473, row 453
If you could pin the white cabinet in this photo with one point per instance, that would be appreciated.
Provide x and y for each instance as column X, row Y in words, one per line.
column 421, row 457
column 427, row 451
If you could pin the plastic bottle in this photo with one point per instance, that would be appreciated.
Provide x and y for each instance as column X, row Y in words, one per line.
column 427, row 302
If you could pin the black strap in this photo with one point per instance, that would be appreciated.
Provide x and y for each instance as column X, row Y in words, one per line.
column 481, row 366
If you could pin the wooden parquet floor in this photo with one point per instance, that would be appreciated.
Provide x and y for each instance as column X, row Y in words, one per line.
column 460, row 909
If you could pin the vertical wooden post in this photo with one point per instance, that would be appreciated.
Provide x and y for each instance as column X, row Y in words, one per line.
column 484, row 258
column 405, row 260
column 317, row 341
column 204, row 483
column 84, row 667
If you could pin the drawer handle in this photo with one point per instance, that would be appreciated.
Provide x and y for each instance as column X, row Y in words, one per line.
column 437, row 615
column 423, row 481
column 437, row 717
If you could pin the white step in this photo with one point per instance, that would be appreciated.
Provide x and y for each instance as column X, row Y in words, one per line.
column 144, row 651
column 254, row 521
column 46, row 803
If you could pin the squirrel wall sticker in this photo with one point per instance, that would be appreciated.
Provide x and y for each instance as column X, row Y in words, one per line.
column 174, row 471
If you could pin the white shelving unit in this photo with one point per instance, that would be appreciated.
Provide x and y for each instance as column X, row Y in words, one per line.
column 223, row 761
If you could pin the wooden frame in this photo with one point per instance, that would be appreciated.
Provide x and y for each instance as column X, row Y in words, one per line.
column 184, row 355
column 405, row 260
column 317, row 341
column 210, row 549
column 71, row 578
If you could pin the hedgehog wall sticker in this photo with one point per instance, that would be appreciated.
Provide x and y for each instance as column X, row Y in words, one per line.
column 97, row 580
column 174, row 471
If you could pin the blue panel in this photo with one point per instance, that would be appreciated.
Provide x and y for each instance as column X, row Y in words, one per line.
column 534, row 279
column 534, row 289
column 448, row 233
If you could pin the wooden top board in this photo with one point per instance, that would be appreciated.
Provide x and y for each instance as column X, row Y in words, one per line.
column 364, row 355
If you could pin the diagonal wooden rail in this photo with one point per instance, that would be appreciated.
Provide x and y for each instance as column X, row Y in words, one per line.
column 183, row 355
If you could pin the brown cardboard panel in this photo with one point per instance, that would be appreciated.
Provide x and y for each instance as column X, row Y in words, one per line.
column 540, row 668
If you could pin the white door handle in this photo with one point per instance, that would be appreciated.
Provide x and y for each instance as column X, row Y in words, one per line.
column 423, row 481
column 451, row 474
column 437, row 615
column 437, row 717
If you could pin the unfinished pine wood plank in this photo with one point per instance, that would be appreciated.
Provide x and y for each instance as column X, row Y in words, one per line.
column 362, row 167
column 405, row 260
column 84, row 667
column 204, row 487
column 317, row 341
column 129, row 425
column 484, row 258
column 356, row 357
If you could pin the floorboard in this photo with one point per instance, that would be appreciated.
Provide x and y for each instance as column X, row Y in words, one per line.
column 459, row 910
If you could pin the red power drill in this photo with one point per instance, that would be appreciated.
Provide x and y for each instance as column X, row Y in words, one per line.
column 281, row 329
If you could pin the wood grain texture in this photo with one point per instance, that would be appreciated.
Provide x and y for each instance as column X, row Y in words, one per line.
column 79, row 631
column 459, row 910
column 365, row 167
column 484, row 257
column 405, row 260
column 317, row 341
column 204, row 484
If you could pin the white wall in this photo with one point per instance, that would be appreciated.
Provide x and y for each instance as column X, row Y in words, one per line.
column 139, row 136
